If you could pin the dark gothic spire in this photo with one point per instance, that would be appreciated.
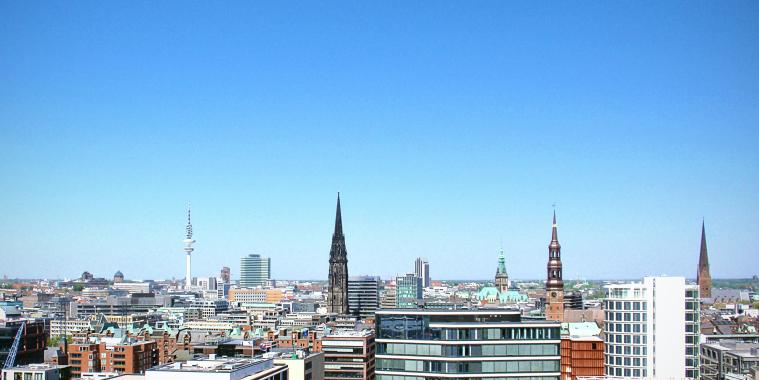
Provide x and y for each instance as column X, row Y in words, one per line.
column 703, row 259
column 338, row 218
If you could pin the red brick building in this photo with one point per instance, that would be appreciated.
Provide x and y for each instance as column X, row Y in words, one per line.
column 581, row 356
column 127, row 356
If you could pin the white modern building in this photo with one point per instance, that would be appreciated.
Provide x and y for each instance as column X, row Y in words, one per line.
column 212, row 368
column 652, row 329
column 35, row 371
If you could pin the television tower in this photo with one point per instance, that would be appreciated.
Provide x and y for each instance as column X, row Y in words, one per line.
column 188, row 249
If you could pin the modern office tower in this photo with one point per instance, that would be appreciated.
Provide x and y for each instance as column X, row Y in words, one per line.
column 461, row 344
column 363, row 296
column 348, row 355
column 422, row 270
column 554, row 283
column 226, row 275
column 408, row 291
column 501, row 276
column 337, row 294
column 729, row 359
column 703, row 276
column 652, row 329
column 188, row 242
column 255, row 270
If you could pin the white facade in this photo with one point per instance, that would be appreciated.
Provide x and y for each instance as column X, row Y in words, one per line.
column 652, row 329
column 33, row 371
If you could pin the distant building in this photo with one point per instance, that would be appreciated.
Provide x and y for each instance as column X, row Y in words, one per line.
column 122, row 355
column 582, row 350
column 501, row 276
column 302, row 365
column 465, row 344
column 388, row 298
column 255, row 270
column 118, row 277
column 728, row 359
column 500, row 293
column 337, row 291
column 349, row 354
column 213, row 368
column 207, row 283
column 704, row 278
column 422, row 270
column 554, row 284
column 652, row 329
column 133, row 287
column 408, row 290
column 572, row 301
column 33, row 339
column 226, row 275
column 37, row 372
column 363, row 296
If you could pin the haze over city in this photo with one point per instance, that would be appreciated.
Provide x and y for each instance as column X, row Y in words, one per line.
column 447, row 129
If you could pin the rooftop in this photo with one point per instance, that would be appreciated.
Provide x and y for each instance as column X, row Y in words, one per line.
column 212, row 364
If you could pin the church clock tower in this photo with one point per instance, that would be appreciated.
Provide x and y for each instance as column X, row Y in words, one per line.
column 554, row 284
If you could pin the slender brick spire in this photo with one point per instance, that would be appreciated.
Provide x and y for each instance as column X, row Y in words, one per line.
column 554, row 283
column 704, row 278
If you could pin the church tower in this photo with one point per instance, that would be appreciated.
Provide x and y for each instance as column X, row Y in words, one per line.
column 501, row 276
column 337, row 298
column 554, row 283
column 703, row 276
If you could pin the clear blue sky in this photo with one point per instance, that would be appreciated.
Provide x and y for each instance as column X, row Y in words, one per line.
column 446, row 126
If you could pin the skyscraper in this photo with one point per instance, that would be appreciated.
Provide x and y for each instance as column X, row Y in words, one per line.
column 226, row 275
column 501, row 276
column 554, row 283
column 255, row 270
column 337, row 298
column 363, row 295
column 408, row 291
column 703, row 276
column 188, row 242
column 422, row 270
column 652, row 329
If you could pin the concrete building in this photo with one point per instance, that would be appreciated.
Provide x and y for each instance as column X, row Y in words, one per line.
column 255, row 296
column 37, row 372
column 349, row 354
column 33, row 340
column 255, row 270
column 461, row 344
column 133, row 287
column 212, row 368
column 301, row 365
column 728, row 359
column 363, row 296
column 408, row 291
column 422, row 270
column 652, row 329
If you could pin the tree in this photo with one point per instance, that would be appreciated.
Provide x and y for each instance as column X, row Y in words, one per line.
column 78, row 287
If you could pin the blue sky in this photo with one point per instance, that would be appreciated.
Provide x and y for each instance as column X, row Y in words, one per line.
column 446, row 126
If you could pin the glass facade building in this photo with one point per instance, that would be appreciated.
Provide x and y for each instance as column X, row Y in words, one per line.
column 255, row 270
column 363, row 296
column 489, row 344
column 408, row 291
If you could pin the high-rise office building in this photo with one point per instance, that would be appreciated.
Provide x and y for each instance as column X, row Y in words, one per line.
column 703, row 275
column 408, row 291
column 422, row 270
column 255, row 270
column 226, row 275
column 462, row 344
column 349, row 355
column 652, row 329
column 363, row 296
column 554, row 283
column 337, row 297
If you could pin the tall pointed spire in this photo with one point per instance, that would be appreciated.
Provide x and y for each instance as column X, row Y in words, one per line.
column 337, row 298
column 338, row 217
column 554, row 282
column 704, row 277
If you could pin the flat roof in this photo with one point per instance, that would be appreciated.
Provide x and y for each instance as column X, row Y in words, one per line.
column 212, row 365
column 447, row 311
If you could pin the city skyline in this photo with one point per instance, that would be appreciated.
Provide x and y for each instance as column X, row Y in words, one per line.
column 445, row 127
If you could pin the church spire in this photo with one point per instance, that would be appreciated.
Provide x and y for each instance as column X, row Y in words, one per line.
column 703, row 277
column 554, row 308
column 338, row 218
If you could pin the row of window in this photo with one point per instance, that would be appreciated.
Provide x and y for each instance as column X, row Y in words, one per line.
column 390, row 377
column 469, row 350
column 418, row 328
column 626, row 350
column 626, row 361
column 628, row 339
column 625, row 305
column 619, row 316
column 515, row 366
column 626, row 327
column 626, row 372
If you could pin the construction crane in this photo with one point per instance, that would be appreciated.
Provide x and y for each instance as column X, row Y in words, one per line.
column 11, row 359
